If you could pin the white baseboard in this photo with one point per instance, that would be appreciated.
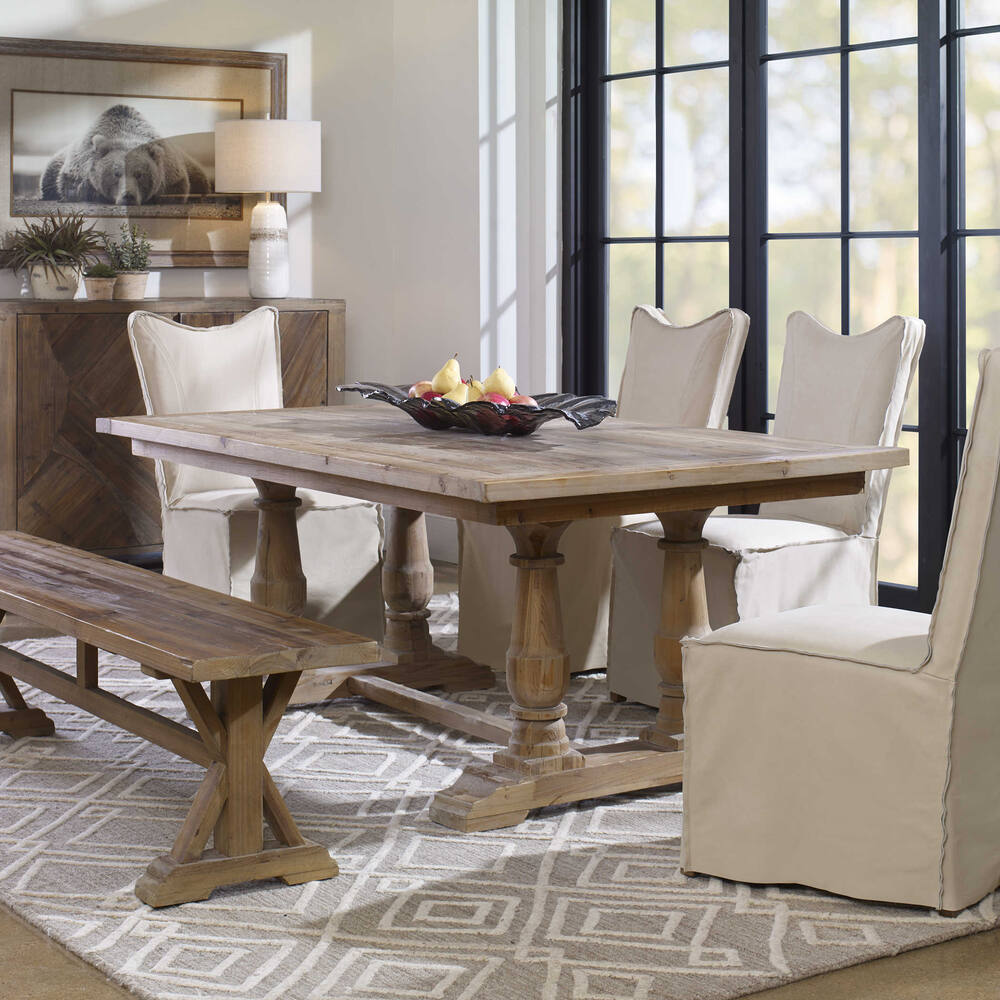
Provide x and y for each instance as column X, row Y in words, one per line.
column 442, row 538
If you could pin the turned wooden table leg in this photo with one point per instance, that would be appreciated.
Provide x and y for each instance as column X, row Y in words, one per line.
column 537, row 661
column 278, row 581
column 407, row 585
column 683, row 612
column 539, row 767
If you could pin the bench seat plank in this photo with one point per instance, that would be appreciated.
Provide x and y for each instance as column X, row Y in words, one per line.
column 185, row 631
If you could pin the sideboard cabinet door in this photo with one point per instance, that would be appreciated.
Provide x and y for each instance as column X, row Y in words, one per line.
column 74, row 485
column 64, row 364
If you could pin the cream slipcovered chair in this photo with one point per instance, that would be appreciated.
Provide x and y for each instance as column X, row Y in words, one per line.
column 847, row 390
column 856, row 749
column 674, row 375
column 209, row 518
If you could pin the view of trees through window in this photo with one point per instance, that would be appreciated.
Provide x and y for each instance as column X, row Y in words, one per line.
column 841, row 183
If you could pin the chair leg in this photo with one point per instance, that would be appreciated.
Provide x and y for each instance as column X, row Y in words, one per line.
column 233, row 801
column 21, row 721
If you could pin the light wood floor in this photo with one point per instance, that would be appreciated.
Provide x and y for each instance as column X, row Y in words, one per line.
column 33, row 967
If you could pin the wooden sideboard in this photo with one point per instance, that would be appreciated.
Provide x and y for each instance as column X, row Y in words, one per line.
column 65, row 363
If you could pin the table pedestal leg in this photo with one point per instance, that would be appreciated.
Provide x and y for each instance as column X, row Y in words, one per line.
column 683, row 612
column 537, row 661
column 539, row 767
column 278, row 581
column 407, row 583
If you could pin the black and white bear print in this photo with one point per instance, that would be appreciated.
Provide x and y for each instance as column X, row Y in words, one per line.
column 121, row 160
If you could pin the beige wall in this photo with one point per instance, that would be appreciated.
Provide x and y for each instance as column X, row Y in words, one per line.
column 395, row 231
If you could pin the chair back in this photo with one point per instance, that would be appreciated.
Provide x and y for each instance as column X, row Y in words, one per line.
column 681, row 376
column 964, row 638
column 965, row 624
column 845, row 390
column 186, row 369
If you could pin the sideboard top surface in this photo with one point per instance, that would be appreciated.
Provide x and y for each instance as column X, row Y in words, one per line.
column 187, row 304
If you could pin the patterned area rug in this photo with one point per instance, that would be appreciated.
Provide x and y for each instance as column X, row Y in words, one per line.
column 582, row 902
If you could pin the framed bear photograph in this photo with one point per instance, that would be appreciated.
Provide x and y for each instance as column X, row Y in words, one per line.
column 126, row 132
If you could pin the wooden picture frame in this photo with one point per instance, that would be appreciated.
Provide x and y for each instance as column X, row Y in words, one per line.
column 151, row 172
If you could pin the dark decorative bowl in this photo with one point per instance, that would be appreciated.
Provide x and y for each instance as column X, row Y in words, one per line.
column 489, row 418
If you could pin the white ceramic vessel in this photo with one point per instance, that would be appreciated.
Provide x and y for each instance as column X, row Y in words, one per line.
column 268, row 264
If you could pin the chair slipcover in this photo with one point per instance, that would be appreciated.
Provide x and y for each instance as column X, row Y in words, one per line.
column 855, row 749
column 679, row 376
column 845, row 390
column 209, row 518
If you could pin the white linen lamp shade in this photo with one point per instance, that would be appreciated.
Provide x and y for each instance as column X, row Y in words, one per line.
column 267, row 155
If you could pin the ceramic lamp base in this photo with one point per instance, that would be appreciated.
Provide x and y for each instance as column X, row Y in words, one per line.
column 268, row 266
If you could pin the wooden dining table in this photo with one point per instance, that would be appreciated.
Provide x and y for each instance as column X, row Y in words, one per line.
column 535, row 487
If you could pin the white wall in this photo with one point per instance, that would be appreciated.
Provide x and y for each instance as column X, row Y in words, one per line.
column 394, row 82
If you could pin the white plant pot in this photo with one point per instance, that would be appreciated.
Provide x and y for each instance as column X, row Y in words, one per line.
column 131, row 285
column 54, row 283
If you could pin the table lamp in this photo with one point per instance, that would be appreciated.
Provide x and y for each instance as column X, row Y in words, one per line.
column 267, row 155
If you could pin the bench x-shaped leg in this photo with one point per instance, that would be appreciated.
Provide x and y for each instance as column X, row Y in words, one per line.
column 19, row 720
column 234, row 799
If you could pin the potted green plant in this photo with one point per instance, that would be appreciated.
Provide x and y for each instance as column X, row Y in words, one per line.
column 99, row 280
column 53, row 251
column 129, row 257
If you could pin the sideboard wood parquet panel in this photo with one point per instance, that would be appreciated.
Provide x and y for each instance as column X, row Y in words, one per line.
column 65, row 363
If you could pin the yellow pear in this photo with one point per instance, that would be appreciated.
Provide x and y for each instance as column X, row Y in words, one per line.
column 460, row 394
column 448, row 376
column 500, row 382
column 476, row 390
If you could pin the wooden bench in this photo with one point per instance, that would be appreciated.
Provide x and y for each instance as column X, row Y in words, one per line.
column 190, row 636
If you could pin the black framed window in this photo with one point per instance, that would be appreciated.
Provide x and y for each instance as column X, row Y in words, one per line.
column 841, row 157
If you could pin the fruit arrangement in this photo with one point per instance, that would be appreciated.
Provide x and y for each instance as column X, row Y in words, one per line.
column 497, row 388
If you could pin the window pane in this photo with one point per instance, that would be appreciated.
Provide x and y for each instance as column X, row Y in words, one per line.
column 883, row 138
column 982, row 308
column 695, row 280
column 695, row 32
column 631, row 283
column 631, row 157
column 631, row 35
column 877, row 20
column 696, row 152
column 794, row 25
column 801, row 274
column 885, row 282
column 982, row 131
column 897, row 548
column 979, row 13
column 803, row 144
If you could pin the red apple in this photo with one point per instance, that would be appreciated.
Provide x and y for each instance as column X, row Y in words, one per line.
column 495, row 397
column 419, row 388
column 523, row 400
column 430, row 394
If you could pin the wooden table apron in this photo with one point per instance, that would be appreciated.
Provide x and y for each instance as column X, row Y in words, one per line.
column 618, row 468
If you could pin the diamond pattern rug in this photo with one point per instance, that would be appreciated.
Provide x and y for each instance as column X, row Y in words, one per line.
column 582, row 902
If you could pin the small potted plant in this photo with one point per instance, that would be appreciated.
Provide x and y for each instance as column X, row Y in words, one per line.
column 53, row 251
column 130, row 258
column 100, row 281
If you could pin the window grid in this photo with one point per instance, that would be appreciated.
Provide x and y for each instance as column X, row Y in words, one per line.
column 942, row 234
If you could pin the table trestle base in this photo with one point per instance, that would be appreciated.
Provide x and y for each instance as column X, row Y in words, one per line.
column 490, row 798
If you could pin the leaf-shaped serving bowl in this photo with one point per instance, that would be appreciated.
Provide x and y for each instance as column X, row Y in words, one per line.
column 489, row 418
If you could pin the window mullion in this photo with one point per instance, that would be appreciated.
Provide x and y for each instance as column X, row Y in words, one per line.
column 660, row 163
